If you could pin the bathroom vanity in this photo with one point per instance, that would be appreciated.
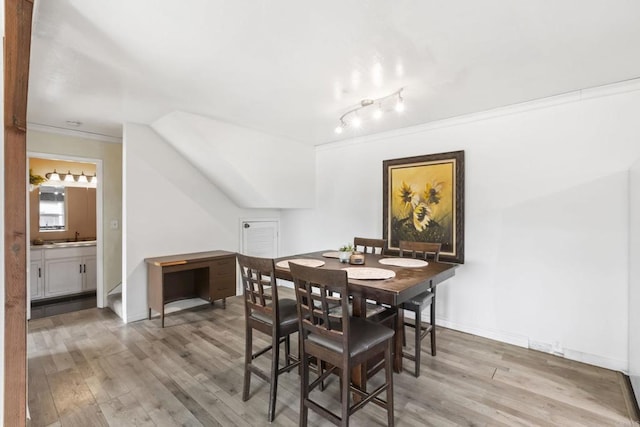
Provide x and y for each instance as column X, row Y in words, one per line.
column 60, row 269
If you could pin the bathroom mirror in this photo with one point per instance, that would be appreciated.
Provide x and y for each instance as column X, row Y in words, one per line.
column 52, row 208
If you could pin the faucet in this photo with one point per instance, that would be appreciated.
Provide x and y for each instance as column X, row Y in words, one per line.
column 76, row 236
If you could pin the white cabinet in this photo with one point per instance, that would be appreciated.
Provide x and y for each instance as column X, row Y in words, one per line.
column 36, row 274
column 62, row 276
column 89, row 273
column 63, row 271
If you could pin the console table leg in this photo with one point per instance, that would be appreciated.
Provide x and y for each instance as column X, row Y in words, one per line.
column 224, row 303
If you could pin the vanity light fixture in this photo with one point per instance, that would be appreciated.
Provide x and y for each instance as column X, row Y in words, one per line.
column 351, row 117
column 83, row 178
column 53, row 176
column 72, row 179
column 69, row 177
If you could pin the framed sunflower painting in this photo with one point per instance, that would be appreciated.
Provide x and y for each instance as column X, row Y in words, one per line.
column 424, row 202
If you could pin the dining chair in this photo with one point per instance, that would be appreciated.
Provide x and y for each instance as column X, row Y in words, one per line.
column 342, row 342
column 369, row 246
column 426, row 251
column 376, row 312
column 266, row 313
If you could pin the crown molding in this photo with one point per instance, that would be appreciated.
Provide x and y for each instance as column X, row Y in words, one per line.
column 71, row 132
column 617, row 88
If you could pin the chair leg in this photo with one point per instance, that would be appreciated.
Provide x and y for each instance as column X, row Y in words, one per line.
column 287, row 350
column 404, row 333
column 389, row 378
column 304, row 389
column 433, row 324
column 275, row 359
column 248, row 349
column 345, row 381
column 418, row 339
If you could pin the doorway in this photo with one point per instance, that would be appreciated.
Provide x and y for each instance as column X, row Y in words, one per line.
column 64, row 236
column 258, row 237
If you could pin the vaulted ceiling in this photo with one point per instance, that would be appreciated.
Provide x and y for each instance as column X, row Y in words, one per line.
column 291, row 68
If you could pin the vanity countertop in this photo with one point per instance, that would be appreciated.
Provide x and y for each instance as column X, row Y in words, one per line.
column 57, row 245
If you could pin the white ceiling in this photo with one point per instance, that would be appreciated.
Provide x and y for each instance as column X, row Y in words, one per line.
column 286, row 67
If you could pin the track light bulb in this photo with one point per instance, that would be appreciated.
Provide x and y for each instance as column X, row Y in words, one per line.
column 377, row 113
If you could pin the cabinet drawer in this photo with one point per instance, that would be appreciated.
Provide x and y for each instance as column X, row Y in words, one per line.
column 228, row 281
column 36, row 254
column 58, row 253
column 224, row 266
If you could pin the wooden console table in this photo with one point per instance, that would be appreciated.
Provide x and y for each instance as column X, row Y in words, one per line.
column 207, row 275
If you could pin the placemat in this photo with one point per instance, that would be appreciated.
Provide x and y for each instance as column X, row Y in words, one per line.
column 403, row 262
column 331, row 254
column 301, row 261
column 368, row 273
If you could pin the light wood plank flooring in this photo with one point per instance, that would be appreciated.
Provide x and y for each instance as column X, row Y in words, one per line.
column 88, row 369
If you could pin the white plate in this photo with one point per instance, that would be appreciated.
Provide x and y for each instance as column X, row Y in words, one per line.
column 301, row 261
column 403, row 262
column 368, row 273
column 331, row 254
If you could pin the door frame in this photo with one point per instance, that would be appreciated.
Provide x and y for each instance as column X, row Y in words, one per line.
column 17, row 47
column 100, row 300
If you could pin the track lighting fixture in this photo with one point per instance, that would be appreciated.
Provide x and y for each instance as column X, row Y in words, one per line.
column 353, row 119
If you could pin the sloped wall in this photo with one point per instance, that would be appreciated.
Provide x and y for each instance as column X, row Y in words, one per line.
column 253, row 169
column 169, row 208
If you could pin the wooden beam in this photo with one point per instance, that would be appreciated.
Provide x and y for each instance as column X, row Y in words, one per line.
column 17, row 45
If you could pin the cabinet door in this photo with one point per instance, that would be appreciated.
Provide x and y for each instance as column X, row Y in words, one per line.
column 89, row 273
column 35, row 280
column 62, row 276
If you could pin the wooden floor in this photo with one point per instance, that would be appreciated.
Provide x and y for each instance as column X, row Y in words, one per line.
column 88, row 369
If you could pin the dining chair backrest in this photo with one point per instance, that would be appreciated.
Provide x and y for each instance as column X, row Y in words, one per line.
column 316, row 301
column 425, row 250
column 371, row 246
column 259, row 286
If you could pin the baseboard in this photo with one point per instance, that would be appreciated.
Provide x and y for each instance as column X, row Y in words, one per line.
column 136, row 316
column 525, row 342
column 63, row 298
column 513, row 339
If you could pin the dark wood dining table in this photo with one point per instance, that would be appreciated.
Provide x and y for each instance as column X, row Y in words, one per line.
column 407, row 283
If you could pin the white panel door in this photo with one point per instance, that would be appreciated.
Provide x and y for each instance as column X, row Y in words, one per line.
column 260, row 238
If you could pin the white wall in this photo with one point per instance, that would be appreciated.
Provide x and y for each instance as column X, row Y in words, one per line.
column 634, row 278
column 169, row 208
column 545, row 225
column 111, row 156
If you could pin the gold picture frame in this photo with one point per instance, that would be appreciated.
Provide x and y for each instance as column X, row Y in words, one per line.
column 424, row 201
